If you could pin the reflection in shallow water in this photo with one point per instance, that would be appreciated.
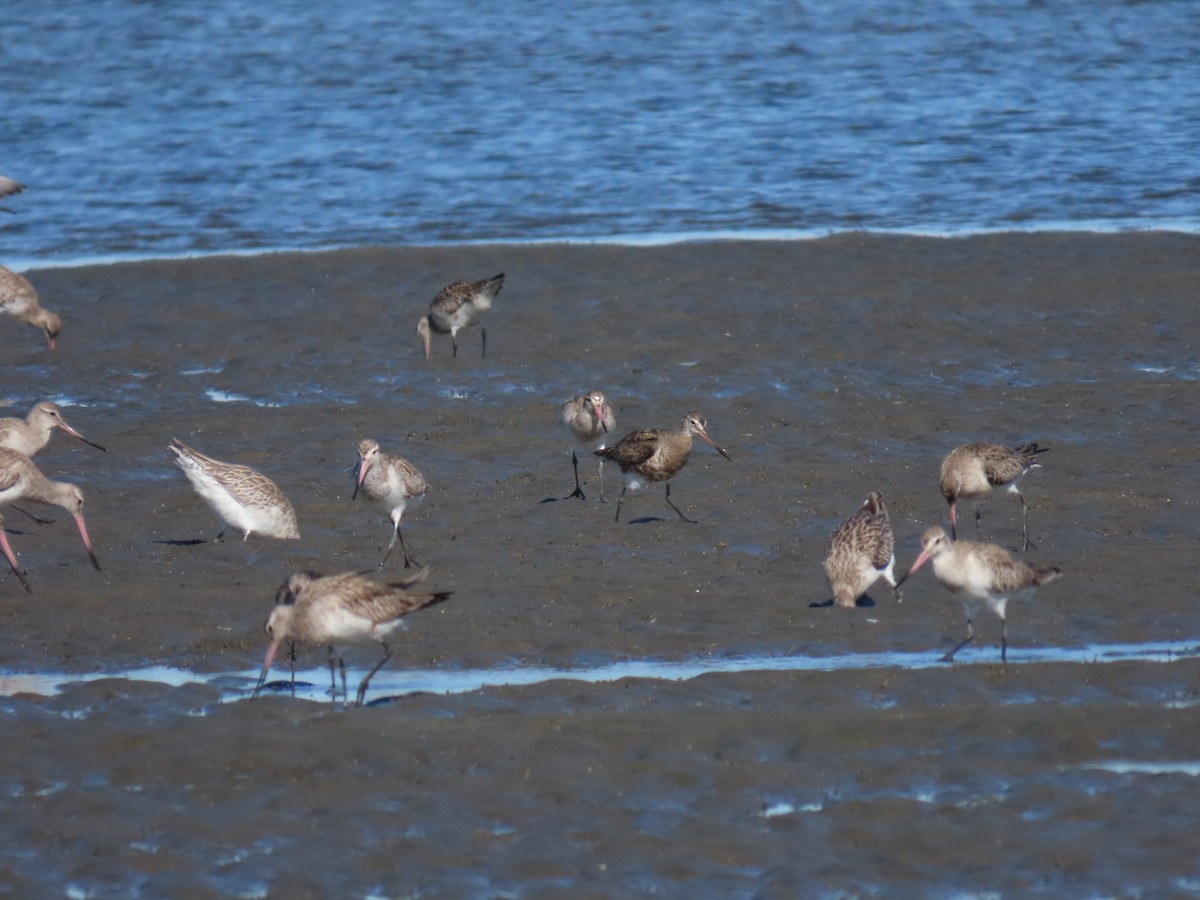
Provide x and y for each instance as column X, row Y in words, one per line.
column 311, row 684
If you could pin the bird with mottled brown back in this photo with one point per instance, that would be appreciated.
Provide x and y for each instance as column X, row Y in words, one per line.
column 860, row 552
column 972, row 471
column 657, row 454
column 458, row 306
column 19, row 300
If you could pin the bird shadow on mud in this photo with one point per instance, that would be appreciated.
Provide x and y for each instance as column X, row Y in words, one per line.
column 182, row 542
column 863, row 601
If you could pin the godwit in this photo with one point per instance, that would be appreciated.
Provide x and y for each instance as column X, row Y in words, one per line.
column 970, row 472
column 861, row 550
column 19, row 299
column 241, row 497
column 21, row 480
column 657, row 454
column 458, row 306
column 590, row 420
column 12, row 557
column 980, row 574
column 389, row 484
column 31, row 434
column 341, row 609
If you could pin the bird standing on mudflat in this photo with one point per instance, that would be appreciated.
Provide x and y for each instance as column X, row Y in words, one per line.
column 336, row 610
column 590, row 419
column 458, row 306
column 20, row 300
column 657, row 454
column 861, row 551
column 389, row 484
column 971, row 471
column 980, row 574
column 32, row 433
column 242, row 497
column 20, row 479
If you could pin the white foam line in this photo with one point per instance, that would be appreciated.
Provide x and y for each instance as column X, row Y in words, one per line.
column 646, row 239
column 390, row 683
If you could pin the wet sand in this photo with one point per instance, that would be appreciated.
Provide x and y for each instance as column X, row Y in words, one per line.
column 825, row 368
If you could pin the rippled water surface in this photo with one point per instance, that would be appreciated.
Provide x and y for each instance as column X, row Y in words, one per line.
column 156, row 129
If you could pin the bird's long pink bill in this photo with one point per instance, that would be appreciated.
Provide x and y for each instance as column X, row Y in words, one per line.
column 359, row 475
column 921, row 560
column 71, row 431
column 262, row 676
column 713, row 444
column 12, row 561
column 87, row 541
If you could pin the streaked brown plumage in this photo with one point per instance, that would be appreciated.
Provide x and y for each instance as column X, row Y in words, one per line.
column 20, row 480
column 980, row 574
column 657, row 454
column 590, row 419
column 19, row 299
column 389, row 484
column 336, row 610
column 861, row 550
column 32, row 433
column 458, row 306
column 971, row 472
column 241, row 497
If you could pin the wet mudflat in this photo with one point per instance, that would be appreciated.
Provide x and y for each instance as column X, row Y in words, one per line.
column 826, row 369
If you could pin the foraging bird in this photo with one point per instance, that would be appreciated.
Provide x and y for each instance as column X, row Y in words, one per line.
column 389, row 484
column 341, row 609
column 20, row 480
column 20, row 300
column 31, row 434
column 657, row 454
column 861, row 551
column 590, row 419
column 458, row 306
column 971, row 471
column 980, row 574
column 240, row 496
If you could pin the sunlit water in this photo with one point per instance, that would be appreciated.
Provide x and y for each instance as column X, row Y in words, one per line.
column 151, row 130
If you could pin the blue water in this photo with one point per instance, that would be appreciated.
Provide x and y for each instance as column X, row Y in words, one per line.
column 147, row 129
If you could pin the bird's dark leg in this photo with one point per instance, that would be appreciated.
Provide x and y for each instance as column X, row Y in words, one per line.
column 292, row 656
column 362, row 688
column 454, row 343
column 949, row 657
column 676, row 508
column 1025, row 523
column 978, row 525
column 578, row 492
column 620, row 499
column 483, row 352
column 1004, row 640
column 408, row 560
column 35, row 518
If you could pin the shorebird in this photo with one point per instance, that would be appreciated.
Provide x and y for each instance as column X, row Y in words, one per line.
column 19, row 299
column 389, row 484
column 8, row 187
column 590, row 420
column 336, row 610
column 656, row 454
column 31, row 434
column 240, row 496
column 21, row 480
column 458, row 306
column 971, row 471
column 12, row 557
column 981, row 574
column 861, row 550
